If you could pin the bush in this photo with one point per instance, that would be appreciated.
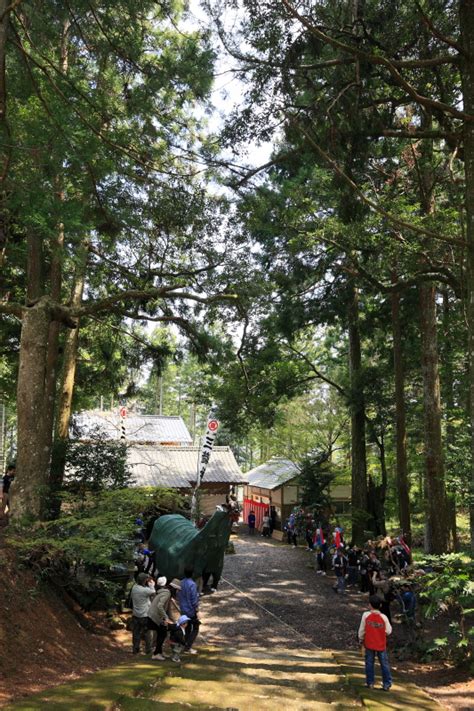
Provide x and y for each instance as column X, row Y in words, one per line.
column 88, row 550
column 96, row 465
column 315, row 477
column 448, row 589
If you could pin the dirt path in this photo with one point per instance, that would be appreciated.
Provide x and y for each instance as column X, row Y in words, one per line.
column 270, row 596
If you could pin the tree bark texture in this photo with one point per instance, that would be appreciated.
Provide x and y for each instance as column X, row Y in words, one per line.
column 435, row 495
column 34, row 443
column 358, row 445
column 466, row 21
column 66, row 391
column 400, row 420
column 4, row 128
column 55, row 280
column 448, row 389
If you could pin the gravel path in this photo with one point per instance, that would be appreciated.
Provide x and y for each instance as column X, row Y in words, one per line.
column 270, row 597
column 295, row 607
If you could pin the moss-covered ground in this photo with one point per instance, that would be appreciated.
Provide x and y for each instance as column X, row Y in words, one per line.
column 296, row 680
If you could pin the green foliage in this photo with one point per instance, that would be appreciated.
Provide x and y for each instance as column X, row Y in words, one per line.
column 449, row 591
column 88, row 550
column 96, row 465
column 316, row 476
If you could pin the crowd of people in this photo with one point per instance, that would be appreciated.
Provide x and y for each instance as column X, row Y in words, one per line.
column 163, row 610
column 380, row 569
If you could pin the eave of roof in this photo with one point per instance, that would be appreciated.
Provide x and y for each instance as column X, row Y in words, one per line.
column 176, row 467
column 272, row 474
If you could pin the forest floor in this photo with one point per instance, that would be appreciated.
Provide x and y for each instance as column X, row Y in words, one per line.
column 270, row 598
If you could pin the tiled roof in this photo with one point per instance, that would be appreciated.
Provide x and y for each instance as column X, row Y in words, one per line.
column 176, row 467
column 272, row 474
column 138, row 428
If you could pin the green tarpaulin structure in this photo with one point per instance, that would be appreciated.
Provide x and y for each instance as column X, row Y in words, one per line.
column 179, row 545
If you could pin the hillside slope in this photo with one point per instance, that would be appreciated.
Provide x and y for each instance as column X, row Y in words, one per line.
column 41, row 640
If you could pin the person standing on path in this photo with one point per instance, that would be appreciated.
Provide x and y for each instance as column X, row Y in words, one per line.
column 373, row 568
column 291, row 531
column 273, row 518
column 340, row 568
column 142, row 593
column 251, row 523
column 158, row 619
column 353, row 565
column 6, row 483
column 373, row 630
column 364, row 571
column 266, row 526
column 309, row 534
column 383, row 590
column 189, row 606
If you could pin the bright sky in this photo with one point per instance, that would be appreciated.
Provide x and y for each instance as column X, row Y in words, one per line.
column 228, row 90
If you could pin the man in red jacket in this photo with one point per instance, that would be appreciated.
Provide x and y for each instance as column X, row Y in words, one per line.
column 373, row 631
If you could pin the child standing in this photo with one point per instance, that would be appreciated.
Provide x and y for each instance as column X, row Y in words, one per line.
column 177, row 632
column 373, row 631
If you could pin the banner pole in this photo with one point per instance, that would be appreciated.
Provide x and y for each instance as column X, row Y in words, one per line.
column 204, row 454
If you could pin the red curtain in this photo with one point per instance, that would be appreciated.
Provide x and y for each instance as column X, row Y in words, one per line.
column 258, row 509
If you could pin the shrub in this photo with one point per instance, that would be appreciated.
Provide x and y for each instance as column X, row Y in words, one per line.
column 88, row 550
column 448, row 588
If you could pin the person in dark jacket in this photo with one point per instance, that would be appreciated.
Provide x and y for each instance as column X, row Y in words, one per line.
column 373, row 568
column 353, row 565
column 7, row 482
column 339, row 564
column 251, row 523
column 189, row 606
column 364, row 571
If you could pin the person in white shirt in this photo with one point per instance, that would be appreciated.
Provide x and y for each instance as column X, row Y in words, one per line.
column 142, row 593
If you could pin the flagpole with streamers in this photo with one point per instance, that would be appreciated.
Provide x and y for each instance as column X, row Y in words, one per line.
column 204, row 454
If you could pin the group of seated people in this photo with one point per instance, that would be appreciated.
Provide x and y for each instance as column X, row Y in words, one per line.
column 380, row 568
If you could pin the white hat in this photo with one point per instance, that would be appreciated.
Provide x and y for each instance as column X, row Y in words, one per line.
column 161, row 581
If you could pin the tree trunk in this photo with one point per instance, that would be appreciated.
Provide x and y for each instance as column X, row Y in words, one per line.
column 435, row 495
column 383, row 487
column 34, row 444
column 400, row 420
column 357, row 404
column 66, row 391
column 55, row 280
column 448, row 383
column 4, row 128
column 466, row 21
column 377, row 494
